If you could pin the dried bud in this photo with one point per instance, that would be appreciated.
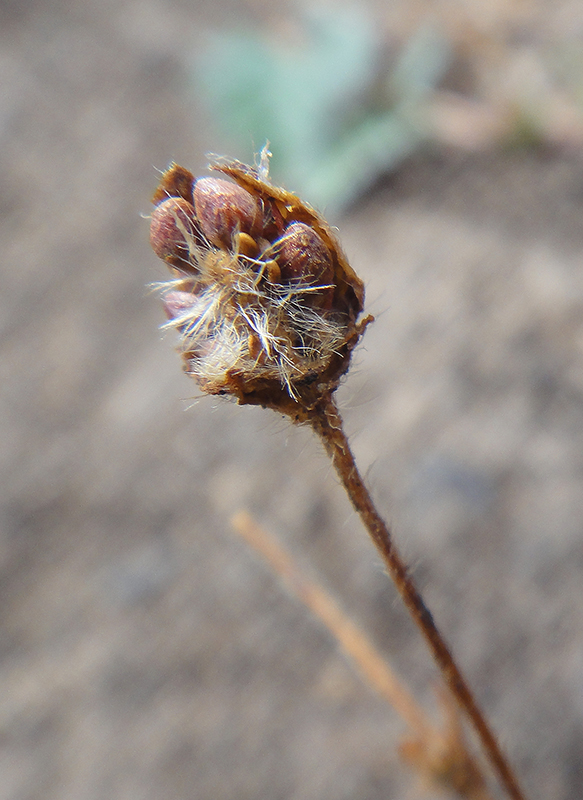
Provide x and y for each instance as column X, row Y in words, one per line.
column 174, row 232
column 223, row 209
column 305, row 261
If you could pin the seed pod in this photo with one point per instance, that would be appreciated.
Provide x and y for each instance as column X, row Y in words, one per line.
column 224, row 208
column 174, row 232
column 305, row 260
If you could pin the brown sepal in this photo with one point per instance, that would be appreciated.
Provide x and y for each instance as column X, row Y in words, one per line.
column 175, row 182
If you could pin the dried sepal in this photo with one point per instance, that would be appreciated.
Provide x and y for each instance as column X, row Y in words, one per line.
column 267, row 306
column 175, row 182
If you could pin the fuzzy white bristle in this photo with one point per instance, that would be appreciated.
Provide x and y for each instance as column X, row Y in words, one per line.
column 216, row 327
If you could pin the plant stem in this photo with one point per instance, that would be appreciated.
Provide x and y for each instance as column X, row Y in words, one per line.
column 327, row 423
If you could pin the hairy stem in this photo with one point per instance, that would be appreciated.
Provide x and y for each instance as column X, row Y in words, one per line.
column 327, row 423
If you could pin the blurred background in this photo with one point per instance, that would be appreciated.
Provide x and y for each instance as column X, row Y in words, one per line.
column 145, row 652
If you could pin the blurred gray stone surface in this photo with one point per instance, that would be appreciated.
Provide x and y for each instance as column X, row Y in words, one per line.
column 145, row 653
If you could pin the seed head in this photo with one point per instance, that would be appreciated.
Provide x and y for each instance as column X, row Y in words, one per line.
column 261, row 293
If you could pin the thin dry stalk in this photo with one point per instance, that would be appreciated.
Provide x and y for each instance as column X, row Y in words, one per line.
column 440, row 757
column 327, row 423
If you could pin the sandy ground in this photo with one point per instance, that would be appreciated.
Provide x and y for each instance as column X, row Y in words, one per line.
column 145, row 652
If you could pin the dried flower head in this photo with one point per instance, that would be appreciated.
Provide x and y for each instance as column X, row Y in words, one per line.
column 267, row 309
column 262, row 295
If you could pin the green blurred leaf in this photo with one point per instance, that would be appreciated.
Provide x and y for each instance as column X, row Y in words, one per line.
column 316, row 100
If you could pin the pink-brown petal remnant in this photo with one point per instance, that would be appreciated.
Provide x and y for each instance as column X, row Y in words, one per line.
column 304, row 259
column 174, row 231
column 177, row 303
column 224, row 208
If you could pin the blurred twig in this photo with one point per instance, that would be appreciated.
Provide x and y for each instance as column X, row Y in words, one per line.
column 440, row 756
